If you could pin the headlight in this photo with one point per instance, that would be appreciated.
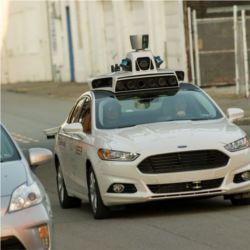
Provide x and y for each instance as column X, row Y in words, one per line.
column 113, row 155
column 25, row 196
column 238, row 145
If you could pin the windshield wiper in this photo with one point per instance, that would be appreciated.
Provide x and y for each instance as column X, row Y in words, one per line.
column 127, row 126
column 200, row 119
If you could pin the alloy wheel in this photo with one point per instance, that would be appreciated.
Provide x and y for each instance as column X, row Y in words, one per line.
column 93, row 193
column 60, row 185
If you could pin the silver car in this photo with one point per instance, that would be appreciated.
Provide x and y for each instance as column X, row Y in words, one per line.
column 26, row 217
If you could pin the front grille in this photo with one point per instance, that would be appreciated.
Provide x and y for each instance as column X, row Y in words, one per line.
column 183, row 161
column 11, row 243
column 185, row 186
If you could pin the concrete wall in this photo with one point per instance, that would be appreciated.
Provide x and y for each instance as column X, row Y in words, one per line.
column 26, row 53
column 100, row 36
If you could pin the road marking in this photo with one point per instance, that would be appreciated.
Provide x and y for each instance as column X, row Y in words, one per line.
column 22, row 138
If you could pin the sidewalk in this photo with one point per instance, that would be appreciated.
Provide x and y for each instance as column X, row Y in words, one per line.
column 224, row 96
column 65, row 90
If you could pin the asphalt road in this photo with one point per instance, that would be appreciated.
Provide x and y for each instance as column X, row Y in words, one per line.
column 202, row 225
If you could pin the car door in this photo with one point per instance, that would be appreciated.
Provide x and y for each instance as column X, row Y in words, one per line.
column 67, row 147
column 81, row 144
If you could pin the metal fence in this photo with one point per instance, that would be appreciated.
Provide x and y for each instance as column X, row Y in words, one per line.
column 220, row 50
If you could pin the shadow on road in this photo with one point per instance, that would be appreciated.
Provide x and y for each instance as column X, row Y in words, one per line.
column 162, row 208
column 173, row 207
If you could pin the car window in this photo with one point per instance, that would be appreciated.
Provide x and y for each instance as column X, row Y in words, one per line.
column 75, row 113
column 85, row 115
column 204, row 105
column 8, row 149
column 118, row 111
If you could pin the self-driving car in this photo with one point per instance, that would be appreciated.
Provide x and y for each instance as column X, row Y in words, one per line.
column 26, row 217
column 141, row 134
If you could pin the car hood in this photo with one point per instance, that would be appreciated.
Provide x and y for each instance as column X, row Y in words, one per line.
column 13, row 174
column 171, row 135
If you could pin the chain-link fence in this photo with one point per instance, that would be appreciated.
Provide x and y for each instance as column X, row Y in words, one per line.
column 221, row 50
column 216, row 51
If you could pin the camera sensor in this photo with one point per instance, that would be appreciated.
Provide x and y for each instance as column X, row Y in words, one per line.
column 144, row 63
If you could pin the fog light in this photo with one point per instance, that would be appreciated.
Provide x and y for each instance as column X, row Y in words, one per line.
column 44, row 235
column 122, row 188
column 118, row 188
column 246, row 176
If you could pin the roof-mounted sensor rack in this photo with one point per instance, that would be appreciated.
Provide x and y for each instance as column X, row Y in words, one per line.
column 139, row 70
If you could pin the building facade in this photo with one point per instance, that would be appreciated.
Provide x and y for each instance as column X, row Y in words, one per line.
column 74, row 40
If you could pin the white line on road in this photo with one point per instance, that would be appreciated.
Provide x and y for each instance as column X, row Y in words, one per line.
column 23, row 138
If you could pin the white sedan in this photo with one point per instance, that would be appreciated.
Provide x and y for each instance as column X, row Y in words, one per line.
column 128, row 147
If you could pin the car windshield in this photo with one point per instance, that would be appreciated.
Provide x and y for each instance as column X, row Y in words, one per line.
column 8, row 149
column 184, row 103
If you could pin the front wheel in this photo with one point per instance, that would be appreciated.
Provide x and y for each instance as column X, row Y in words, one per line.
column 99, row 210
column 65, row 200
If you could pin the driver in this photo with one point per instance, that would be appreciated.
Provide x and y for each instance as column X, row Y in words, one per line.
column 180, row 108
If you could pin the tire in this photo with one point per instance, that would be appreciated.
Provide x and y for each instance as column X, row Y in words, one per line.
column 99, row 210
column 65, row 200
column 241, row 199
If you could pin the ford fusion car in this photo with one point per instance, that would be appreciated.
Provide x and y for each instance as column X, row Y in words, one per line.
column 26, row 217
column 140, row 134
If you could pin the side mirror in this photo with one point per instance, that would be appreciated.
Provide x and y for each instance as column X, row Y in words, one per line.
column 73, row 128
column 39, row 156
column 235, row 114
column 51, row 132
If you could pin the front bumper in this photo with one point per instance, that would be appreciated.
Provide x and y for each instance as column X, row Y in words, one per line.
column 22, row 227
column 110, row 172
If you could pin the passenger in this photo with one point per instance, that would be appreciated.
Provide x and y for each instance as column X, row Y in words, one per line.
column 111, row 114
